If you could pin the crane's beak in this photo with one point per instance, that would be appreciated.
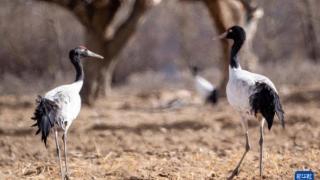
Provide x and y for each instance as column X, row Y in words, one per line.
column 221, row 36
column 92, row 54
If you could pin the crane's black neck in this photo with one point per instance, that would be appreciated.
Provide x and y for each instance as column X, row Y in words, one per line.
column 234, row 53
column 75, row 60
column 194, row 70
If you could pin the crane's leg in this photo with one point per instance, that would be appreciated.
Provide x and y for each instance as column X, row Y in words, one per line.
column 235, row 172
column 64, row 138
column 261, row 144
column 58, row 153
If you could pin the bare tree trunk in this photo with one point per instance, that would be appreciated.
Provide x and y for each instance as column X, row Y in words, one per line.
column 93, row 68
column 100, row 84
column 310, row 36
column 185, row 30
column 97, row 17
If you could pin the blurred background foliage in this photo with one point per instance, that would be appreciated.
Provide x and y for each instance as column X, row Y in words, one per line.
column 36, row 37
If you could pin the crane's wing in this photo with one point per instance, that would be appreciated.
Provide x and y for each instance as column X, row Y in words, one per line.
column 203, row 87
column 69, row 103
column 263, row 79
column 62, row 98
column 265, row 100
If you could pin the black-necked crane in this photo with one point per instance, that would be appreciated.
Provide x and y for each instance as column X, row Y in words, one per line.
column 60, row 106
column 250, row 94
column 205, row 89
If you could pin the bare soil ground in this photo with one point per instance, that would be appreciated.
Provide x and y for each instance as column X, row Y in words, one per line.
column 132, row 135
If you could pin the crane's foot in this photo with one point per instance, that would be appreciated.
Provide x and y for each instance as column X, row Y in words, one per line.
column 66, row 177
column 234, row 173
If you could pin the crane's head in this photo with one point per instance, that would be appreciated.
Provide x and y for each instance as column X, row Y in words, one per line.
column 82, row 52
column 194, row 70
column 235, row 33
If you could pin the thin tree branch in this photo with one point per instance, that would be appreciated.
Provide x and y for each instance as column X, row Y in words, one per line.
column 127, row 28
column 95, row 15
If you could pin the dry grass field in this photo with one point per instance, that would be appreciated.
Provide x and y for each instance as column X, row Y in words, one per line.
column 149, row 128
column 132, row 135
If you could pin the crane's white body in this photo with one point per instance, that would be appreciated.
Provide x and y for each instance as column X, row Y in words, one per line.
column 203, row 87
column 68, row 99
column 241, row 86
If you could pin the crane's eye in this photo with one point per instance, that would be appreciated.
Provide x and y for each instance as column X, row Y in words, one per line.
column 84, row 50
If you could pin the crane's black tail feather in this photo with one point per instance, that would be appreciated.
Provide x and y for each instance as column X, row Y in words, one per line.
column 213, row 97
column 280, row 113
column 266, row 101
column 45, row 116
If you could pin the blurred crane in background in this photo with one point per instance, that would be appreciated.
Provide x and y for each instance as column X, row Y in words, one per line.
column 207, row 91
